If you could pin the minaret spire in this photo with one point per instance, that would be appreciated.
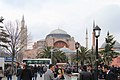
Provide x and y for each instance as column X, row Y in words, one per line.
column 23, row 19
column 93, row 24
column 93, row 35
column 23, row 22
column 86, row 38
column 23, row 34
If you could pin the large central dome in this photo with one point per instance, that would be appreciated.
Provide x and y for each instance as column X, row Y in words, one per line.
column 58, row 31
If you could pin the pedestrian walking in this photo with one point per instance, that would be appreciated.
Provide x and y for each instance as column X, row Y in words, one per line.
column 84, row 74
column 19, row 71
column 35, row 72
column 32, row 72
column 9, row 72
column 45, row 68
column 26, row 73
column 40, row 70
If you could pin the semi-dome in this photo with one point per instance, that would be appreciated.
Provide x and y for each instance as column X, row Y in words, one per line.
column 59, row 33
column 66, row 50
column 116, row 45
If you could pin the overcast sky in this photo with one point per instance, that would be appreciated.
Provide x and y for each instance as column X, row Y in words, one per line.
column 73, row 16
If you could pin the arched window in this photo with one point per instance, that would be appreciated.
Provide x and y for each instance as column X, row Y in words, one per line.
column 60, row 44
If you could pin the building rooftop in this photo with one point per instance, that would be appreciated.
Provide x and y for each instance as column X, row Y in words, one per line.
column 58, row 31
column 116, row 45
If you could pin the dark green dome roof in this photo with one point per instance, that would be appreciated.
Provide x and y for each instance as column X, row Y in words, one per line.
column 58, row 33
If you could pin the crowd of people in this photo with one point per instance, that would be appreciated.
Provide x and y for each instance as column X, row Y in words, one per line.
column 22, row 71
column 54, row 72
column 50, row 72
column 30, row 72
column 86, row 72
column 104, row 72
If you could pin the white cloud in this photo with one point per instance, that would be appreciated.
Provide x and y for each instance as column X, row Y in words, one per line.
column 42, row 16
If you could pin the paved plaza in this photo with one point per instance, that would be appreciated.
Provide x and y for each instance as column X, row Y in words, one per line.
column 42, row 78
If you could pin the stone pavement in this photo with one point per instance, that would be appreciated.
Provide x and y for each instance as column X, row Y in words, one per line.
column 14, row 78
column 42, row 78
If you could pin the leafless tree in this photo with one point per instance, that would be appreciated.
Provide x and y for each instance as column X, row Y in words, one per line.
column 17, row 45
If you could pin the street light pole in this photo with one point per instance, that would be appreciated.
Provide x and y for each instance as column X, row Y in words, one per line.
column 77, row 45
column 51, row 54
column 97, row 34
column 77, row 60
column 97, row 56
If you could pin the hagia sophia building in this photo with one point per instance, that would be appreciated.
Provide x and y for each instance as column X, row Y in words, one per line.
column 60, row 39
column 57, row 38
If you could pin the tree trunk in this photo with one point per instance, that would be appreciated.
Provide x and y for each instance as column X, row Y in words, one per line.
column 82, row 62
column 13, row 55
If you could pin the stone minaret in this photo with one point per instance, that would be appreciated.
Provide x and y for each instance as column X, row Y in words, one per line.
column 23, row 40
column 23, row 34
column 93, row 36
column 86, row 38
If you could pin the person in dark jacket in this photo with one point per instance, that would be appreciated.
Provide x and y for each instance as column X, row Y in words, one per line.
column 92, row 71
column 1, row 73
column 32, row 72
column 19, row 71
column 26, row 73
column 35, row 72
column 40, row 70
column 84, row 74
column 109, row 74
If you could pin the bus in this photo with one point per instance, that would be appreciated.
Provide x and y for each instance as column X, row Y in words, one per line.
column 45, row 61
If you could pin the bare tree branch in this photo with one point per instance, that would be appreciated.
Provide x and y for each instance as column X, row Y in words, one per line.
column 17, row 44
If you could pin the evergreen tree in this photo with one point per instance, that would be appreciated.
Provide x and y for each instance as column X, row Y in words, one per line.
column 108, row 53
column 4, row 37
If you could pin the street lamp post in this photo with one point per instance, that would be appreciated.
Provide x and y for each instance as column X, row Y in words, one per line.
column 97, row 34
column 51, row 55
column 77, row 45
